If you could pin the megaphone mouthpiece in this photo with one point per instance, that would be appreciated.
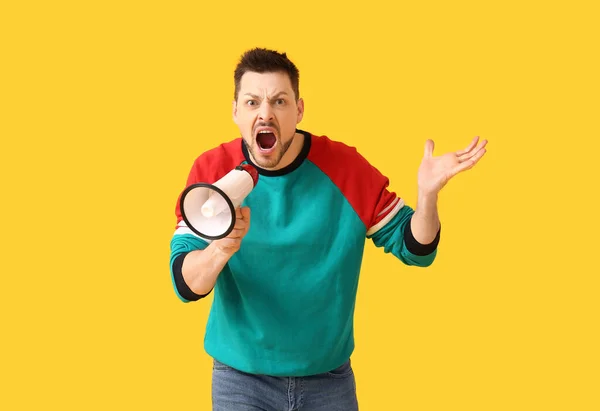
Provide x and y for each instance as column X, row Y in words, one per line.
column 250, row 169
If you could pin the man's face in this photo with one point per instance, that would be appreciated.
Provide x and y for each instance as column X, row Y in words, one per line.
column 266, row 112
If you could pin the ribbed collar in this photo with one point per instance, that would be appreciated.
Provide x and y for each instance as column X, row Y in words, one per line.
column 290, row 167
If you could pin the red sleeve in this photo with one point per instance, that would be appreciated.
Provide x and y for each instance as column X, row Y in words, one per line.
column 363, row 185
column 211, row 166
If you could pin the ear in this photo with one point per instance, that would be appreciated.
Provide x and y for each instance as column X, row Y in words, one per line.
column 300, row 105
column 234, row 111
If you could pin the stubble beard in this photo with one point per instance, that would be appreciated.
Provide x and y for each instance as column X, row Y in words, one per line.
column 269, row 162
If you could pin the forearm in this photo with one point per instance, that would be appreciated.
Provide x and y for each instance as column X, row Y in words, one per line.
column 425, row 222
column 201, row 268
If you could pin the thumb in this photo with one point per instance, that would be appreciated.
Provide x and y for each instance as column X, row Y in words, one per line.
column 429, row 145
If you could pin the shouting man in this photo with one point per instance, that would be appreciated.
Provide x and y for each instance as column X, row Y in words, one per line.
column 285, row 279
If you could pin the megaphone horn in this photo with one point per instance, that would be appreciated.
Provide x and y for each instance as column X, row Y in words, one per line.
column 209, row 209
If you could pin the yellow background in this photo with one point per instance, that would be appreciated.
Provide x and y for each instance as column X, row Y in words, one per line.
column 105, row 105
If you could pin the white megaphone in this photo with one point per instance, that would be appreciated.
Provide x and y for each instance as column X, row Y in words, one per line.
column 209, row 209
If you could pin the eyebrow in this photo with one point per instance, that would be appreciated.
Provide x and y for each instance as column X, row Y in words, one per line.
column 281, row 93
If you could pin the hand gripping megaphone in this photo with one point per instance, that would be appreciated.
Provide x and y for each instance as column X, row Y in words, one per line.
column 209, row 209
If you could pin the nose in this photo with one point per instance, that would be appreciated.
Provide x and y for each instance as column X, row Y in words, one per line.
column 265, row 113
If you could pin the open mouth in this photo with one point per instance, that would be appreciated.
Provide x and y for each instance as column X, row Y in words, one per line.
column 266, row 140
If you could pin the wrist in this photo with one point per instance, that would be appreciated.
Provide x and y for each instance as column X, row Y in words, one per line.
column 219, row 253
column 427, row 207
column 427, row 198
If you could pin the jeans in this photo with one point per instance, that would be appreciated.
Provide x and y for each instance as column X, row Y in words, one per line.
column 233, row 390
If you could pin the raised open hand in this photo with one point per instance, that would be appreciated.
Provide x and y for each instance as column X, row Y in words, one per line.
column 435, row 172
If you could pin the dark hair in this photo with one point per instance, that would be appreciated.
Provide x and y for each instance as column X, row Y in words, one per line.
column 261, row 60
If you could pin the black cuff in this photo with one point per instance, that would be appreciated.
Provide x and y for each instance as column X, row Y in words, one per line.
column 416, row 247
column 182, row 287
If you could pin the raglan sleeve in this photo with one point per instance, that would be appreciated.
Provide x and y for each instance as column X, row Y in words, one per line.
column 389, row 223
column 183, row 242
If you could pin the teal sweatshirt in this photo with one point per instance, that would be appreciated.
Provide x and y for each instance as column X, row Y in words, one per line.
column 284, row 303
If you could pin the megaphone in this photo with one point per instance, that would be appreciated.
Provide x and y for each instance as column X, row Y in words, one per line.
column 209, row 209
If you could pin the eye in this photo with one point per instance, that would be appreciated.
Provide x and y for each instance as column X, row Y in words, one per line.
column 251, row 102
column 280, row 102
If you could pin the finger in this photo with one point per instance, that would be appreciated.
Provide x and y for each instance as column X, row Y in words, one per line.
column 237, row 233
column 429, row 146
column 469, row 147
column 246, row 218
column 472, row 153
column 238, row 213
column 468, row 163
column 245, row 213
column 240, row 224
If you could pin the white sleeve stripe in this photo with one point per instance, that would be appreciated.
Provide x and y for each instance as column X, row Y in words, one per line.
column 182, row 228
column 393, row 203
column 387, row 218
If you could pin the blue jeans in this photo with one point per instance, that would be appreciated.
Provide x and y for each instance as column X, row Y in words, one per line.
column 233, row 390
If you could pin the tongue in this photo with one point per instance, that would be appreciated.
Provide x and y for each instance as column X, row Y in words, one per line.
column 266, row 140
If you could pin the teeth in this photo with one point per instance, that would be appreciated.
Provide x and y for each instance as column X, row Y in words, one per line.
column 264, row 131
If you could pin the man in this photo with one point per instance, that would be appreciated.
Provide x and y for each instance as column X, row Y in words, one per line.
column 280, row 328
